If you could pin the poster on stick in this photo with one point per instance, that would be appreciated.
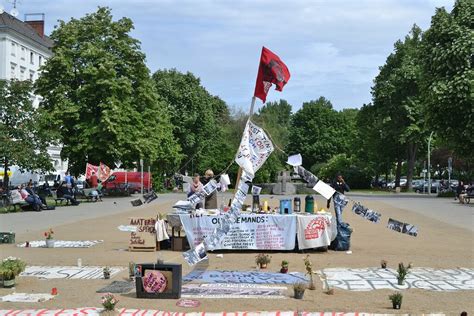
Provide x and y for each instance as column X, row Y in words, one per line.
column 255, row 148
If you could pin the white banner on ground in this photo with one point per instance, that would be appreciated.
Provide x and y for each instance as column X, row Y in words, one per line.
column 255, row 148
column 368, row 279
column 27, row 297
column 266, row 232
column 316, row 231
column 324, row 189
column 68, row 272
column 62, row 243
column 225, row 290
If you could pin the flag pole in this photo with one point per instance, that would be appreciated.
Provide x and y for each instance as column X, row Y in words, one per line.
column 239, row 173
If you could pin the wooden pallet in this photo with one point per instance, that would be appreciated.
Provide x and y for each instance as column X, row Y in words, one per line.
column 141, row 248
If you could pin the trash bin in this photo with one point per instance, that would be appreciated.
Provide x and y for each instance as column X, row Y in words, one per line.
column 285, row 206
column 297, row 204
column 309, row 204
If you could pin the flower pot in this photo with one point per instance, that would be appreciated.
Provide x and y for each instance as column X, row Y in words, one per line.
column 284, row 270
column 396, row 305
column 263, row 265
column 9, row 283
column 299, row 294
column 106, row 275
column 49, row 243
column 401, row 282
column 384, row 265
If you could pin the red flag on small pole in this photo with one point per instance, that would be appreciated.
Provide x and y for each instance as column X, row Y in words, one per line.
column 271, row 71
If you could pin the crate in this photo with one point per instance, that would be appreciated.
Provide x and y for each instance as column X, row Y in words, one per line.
column 7, row 238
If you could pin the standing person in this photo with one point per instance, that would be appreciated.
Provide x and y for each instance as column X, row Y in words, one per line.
column 196, row 186
column 68, row 180
column 340, row 186
column 211, row 199
column 459, row 190
column 94, row 180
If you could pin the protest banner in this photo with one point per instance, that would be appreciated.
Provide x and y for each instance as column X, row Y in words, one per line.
column 68, row 272
column 253, row 231
column 316, row 231
column 255, row 148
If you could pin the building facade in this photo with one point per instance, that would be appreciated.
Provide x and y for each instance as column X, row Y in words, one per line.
column 24, row 48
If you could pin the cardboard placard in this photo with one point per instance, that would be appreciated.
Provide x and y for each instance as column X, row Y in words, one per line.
column 145, row 237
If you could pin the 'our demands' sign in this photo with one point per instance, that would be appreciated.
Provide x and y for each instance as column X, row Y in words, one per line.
column 145, row 236
column 276, row 232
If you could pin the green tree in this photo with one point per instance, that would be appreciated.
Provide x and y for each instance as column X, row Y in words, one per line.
column 398, row 102
column 199, row 120
column 448, row 47
column 318, row 132
column 98, row 94
column 22, row 142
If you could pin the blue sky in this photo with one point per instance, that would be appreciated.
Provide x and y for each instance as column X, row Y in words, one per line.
column 333, row 48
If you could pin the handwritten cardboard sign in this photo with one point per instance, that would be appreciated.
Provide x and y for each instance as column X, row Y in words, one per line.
column 145, row 236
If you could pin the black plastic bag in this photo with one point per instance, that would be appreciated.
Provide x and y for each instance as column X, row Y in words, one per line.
column 343, row 238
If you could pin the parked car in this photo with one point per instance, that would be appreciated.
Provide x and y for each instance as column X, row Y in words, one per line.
column 403, row 183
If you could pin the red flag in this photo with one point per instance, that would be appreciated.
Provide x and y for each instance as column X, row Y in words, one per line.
column 89, row 169
column 104, row 172
column 271, row 70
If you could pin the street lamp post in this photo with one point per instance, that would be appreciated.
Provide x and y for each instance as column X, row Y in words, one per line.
column 429, row 163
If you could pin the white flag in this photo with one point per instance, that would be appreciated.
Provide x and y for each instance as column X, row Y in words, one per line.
column 255, row 148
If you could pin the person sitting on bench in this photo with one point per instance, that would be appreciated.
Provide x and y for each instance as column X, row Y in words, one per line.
column 31, row 198
column 66, row 193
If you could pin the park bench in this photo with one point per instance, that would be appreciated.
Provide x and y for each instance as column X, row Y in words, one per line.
column 11, row 204
column 468, row 197
column 58, row 200
column 87, row 193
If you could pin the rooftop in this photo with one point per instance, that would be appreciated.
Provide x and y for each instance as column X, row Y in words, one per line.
column 10, row 22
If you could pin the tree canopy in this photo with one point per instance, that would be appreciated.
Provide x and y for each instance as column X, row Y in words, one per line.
column 98, row 94
column 22, row 142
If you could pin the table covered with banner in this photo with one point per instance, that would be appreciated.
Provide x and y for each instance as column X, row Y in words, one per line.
column 261, row 231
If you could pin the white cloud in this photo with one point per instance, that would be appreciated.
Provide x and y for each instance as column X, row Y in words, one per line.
column 333, row 48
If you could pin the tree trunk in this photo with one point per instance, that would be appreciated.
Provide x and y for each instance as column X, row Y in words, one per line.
column 412, row 149
column 5, row 174
column 398, row 172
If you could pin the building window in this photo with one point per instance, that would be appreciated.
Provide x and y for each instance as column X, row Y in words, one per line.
column 13, row 52
column 32, row 75
column 22, row 73
column 32, row 60
column 23, row 53
column 12, row 71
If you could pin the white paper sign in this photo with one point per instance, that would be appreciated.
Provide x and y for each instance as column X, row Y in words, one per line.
column 255, row 148
column 224, row 179
column 325, row 190
column 295, row 160
column 210, row 187
column 256, row 190
column 270, row 232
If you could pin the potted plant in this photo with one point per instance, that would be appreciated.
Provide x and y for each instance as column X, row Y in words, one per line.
column 49, row 238
column 402, row 272
column 309, row 271
column 10, row 268
column 131, row 270
column 263, row 260
column 106, row 273
column 109, row 301
column 298, row 289
column 383, row 264
column 284, row 266
column 396, row 299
